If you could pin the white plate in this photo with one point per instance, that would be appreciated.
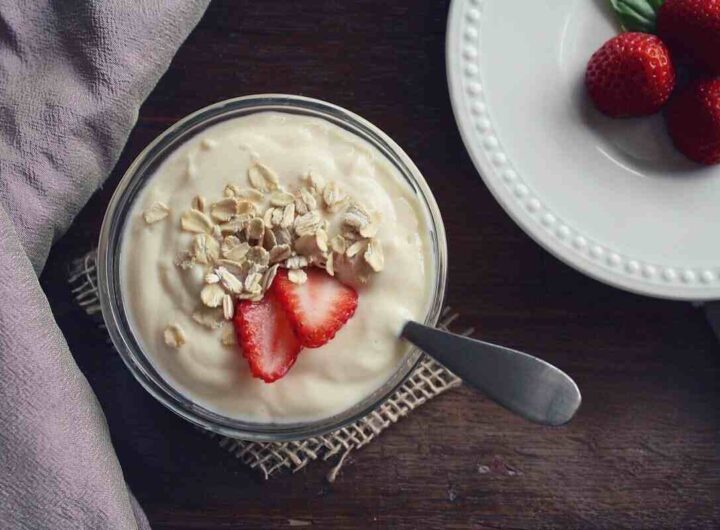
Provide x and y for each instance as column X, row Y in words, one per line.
column 612, row 198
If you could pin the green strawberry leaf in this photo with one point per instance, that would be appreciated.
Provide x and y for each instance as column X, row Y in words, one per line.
column 637, row 15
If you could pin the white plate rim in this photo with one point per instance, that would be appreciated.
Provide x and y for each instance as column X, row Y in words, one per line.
column 527, row 211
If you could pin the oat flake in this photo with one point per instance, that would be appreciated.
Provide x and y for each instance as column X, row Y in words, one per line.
column 156, row 212
column 297, row 276
column 228, row 307
column 174, row 336
column 212, row 295
column 196, row 221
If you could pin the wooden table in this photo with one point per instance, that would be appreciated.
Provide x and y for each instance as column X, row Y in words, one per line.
column 644, row 451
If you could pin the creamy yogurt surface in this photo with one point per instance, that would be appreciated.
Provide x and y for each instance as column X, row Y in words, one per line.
column 157, row 293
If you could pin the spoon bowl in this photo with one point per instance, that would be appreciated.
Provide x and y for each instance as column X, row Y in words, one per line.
column 526, row 385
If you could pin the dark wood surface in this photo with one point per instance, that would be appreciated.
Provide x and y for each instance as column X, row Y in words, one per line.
column 644, row 451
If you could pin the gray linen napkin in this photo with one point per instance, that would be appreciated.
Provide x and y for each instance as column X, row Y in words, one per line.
column 73, row 74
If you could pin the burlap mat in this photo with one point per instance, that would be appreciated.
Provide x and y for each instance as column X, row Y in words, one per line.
column 428, row 380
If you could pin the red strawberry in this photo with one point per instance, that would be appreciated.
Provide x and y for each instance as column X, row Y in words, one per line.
column 268, row 340
column 317, row 308
column 691, row 28
column 630, row 75
column 693, row 120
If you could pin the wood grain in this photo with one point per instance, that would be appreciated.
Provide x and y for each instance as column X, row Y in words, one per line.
column 644, row 451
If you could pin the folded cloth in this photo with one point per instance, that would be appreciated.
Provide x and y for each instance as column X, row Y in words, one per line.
column 73, row 74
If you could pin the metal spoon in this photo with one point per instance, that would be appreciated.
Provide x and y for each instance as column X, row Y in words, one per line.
column 526, row 385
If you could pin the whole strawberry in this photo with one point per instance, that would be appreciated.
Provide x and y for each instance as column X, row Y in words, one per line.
column 630, row 75
column 691, row 28
column 693, row 120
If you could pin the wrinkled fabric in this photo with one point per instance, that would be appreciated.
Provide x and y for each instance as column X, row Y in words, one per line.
column 73, row 74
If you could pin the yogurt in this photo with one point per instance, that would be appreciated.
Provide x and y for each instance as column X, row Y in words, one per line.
column 158, row 294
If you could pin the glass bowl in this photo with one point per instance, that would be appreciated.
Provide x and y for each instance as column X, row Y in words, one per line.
column 110, row 243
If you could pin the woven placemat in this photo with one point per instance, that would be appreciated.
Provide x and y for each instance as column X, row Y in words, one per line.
column 428, row 380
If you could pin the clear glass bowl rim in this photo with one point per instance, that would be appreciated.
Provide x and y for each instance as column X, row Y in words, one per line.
column 110, row 240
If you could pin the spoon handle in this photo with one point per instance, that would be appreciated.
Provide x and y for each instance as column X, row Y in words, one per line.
column 526, row 385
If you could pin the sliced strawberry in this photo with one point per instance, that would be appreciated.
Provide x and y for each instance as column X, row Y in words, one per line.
column 317, row 308
column 268, row 340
